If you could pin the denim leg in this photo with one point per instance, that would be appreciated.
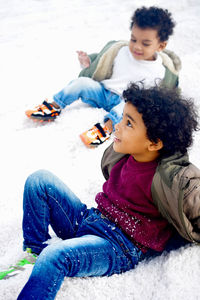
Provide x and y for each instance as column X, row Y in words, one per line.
column 48, row 201
column 88, row 255
column 90, row 91
column 115, row 114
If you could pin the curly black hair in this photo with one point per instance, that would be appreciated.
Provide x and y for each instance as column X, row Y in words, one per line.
column 166, row 115
column 154, row 18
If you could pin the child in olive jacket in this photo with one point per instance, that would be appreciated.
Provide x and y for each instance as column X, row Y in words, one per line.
column 151, row 190
column 175, row 191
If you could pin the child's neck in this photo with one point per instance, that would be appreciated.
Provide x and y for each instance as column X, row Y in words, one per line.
column 147, row 157
column 154, row 57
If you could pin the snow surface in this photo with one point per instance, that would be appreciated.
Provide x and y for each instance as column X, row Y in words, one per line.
column 38, row 41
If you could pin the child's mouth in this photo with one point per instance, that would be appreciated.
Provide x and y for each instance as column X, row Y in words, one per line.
column 137, row 53
column 116, row 140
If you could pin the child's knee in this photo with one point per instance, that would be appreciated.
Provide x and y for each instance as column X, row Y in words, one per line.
column 48, row 257
column 53, row 259
column 37, row 177
column 86, row 82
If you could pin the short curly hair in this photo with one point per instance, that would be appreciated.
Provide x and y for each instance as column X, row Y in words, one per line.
column 166, row 114
column 154, row 18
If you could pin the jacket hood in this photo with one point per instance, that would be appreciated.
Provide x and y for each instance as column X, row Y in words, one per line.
column 171, row 61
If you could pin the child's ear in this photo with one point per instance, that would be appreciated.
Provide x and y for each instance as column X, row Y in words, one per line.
column 162, row 46
column 155, row 146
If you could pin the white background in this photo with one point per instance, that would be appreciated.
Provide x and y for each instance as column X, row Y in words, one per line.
column 38, row 43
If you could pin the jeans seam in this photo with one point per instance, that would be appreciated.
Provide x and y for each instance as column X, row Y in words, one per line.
column 51, row 287
column 53, row 198
column 43, row 221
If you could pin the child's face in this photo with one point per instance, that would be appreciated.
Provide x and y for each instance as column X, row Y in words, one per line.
column 131, row 136
column 144, row 43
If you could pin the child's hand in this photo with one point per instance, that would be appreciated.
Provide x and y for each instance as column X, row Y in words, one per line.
column 83, row 59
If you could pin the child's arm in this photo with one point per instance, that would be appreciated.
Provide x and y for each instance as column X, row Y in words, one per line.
column 83, row 59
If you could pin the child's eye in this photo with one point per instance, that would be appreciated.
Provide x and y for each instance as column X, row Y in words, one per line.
column 129, row 123
column 132, row 40
column 146, row 45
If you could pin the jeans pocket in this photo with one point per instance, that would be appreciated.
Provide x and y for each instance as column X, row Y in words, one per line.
column 133, row 253
column 92, row 217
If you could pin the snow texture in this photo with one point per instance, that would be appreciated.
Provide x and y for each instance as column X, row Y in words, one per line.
column 38, row 41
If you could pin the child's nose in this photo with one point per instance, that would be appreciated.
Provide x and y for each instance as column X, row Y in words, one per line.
column 138, row 46
column 116, row 127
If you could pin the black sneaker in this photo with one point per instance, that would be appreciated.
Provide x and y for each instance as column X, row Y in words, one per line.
column 95, row 136
column 44, row 112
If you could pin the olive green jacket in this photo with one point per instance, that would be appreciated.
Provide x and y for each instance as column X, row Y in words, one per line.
column 175, row 191
column 102, row 64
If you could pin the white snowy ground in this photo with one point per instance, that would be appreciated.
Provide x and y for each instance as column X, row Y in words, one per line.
column 38, row 40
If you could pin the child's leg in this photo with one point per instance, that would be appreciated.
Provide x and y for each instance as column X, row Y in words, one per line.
column 48, row 201
column 115, row 114
column 90, row 91
column 88, row 255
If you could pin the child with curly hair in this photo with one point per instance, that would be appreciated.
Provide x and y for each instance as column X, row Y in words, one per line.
column 151, row 193
column 106, row 74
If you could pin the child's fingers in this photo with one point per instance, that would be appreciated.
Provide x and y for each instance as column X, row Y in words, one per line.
column 83, row 58
column 81, row 53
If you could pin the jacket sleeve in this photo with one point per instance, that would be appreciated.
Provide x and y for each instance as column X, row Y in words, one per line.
column 92, row 56
column 191, row 200
column 176, row 193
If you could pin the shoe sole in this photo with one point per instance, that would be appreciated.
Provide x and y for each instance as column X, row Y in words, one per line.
column 86, row 144
column 41, row 119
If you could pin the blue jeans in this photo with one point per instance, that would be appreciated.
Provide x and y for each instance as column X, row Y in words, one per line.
column 93, row 93
column 90, row 244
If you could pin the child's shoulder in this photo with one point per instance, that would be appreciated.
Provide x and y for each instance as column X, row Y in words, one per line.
column 171, row 60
